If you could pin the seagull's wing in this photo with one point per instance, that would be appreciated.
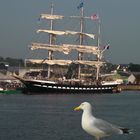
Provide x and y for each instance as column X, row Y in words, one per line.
column 107, row 127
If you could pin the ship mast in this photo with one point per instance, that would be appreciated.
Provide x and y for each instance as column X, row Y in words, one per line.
column 80, row 55
column 66, row 48
column 50, row 41
column 98, row 44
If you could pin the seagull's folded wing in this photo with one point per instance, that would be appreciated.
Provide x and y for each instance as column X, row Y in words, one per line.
column 106, row 127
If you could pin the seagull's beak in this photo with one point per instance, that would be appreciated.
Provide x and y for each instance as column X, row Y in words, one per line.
column 77, row 108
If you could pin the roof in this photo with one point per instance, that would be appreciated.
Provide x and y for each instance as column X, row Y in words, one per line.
column 6, row 77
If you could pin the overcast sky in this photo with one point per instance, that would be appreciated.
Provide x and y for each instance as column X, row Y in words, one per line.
column 120, row 25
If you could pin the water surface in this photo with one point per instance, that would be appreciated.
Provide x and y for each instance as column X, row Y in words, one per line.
column 51, row 117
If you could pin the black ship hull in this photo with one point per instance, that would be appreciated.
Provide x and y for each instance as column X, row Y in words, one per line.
column 48, row 87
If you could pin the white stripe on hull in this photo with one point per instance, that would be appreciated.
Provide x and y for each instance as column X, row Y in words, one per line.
column 72, row 88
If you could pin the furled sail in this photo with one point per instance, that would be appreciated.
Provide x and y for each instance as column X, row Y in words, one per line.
column 80, row 33
column 89, row 63
column 66, row 33
column 50, row 62
column 64, row 62
column 51, row 17
column 59, row 48
column 52, row 32
column 83, row 48
column 66, row 48
column 58, row 62
column 34, row 61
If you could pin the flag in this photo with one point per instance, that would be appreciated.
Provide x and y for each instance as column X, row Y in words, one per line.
column 95, row 17
column 80, row 5
column 39, row 19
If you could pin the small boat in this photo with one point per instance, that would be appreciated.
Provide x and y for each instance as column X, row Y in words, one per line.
column 9, row 91
column 1, row 89
column 75, row 77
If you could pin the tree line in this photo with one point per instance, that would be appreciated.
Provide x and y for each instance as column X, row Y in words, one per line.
column 16, row 62
column 12, row 61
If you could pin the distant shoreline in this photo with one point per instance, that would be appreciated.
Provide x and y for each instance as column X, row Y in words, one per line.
column 129, row 87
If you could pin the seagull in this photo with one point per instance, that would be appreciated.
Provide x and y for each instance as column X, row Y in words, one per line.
column 98, row 127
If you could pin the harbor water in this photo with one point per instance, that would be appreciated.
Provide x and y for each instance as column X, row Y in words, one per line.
column 51, row 117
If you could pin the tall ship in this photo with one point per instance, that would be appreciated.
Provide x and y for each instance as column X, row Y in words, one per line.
column 68, row 74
